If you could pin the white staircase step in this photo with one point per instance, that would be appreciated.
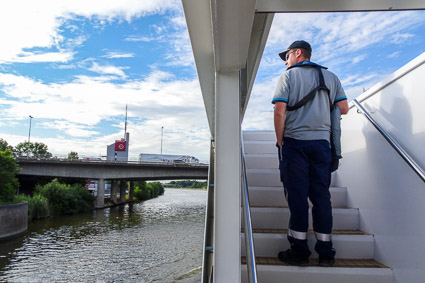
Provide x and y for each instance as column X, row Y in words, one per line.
column 263, row 177
column 278, row 218
column 315, row 274
column 347, row 246
column 259, row 135
column 260, row 147
column 275, row 196
column 262, row 160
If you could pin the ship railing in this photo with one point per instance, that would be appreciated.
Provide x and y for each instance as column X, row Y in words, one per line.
column 410, row 161
column 249, row 239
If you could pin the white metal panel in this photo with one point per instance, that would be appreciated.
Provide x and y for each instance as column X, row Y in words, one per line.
column 336, row 5
column 232, row 26
column 199, row 26
column 260, row 32
column 398, row 107
column 227, row 180
column 390, row 196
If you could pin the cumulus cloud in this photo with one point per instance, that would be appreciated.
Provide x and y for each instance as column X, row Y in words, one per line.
column 71, row 129
column 108, row 69
column 77, row 109
column 340, row 41
column 38, row 24
column 334, row 34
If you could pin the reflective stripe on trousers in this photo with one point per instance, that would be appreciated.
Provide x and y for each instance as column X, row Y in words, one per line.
column 297, row 235
column 303, row 235
column 323, row 237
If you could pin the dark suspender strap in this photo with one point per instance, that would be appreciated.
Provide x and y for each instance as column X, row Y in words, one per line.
column 312, row 93
column 304, row 100
column 323, row 85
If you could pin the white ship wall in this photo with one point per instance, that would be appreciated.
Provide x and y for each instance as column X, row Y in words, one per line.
column 390, row 196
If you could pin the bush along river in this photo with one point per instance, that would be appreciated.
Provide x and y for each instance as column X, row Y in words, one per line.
column 159, row 240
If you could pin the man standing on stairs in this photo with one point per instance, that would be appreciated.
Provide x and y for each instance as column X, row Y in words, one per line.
column 303, row 141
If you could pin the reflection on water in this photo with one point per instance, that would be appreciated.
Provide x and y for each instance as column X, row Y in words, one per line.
column 159, row 240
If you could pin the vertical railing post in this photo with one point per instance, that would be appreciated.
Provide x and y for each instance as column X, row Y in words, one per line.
column 249, row 239
column 209, row 222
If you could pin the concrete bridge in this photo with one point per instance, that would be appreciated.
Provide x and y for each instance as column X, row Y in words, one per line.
column 114, row 171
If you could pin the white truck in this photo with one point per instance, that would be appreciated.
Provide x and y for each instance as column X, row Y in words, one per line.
column 167, row 158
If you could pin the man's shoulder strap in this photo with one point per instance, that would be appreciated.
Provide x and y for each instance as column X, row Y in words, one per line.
column 311, row 94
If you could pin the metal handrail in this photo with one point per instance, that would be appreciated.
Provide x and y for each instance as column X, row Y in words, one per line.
column 207, row 257
column 418, row 170
column 249, row 239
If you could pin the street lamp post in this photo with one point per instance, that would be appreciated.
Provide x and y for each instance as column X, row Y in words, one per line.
column 29, row 132
column 162, row 132
column 29, row 136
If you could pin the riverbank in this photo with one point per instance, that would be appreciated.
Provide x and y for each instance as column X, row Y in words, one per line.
column 13, row 220
column 191, row 189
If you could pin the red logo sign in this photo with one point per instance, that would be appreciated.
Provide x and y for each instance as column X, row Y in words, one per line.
column 120, row 145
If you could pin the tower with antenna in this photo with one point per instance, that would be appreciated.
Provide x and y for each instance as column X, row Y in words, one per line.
column 118, row 151
column 125, row 124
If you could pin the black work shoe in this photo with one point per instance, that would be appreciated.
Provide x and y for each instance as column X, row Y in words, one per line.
column 293, row 259
column 326, row 261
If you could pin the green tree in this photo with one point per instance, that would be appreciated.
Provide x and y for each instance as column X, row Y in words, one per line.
column 8, row 181
column 73, row 155
column 38, row 206
column 4, row 145
column 36, row 149
column 158, row 188
column 66, row 199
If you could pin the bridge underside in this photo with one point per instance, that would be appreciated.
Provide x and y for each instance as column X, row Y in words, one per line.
column 115, row 171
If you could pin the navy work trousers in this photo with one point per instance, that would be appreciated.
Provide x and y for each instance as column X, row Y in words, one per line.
column 305, row 172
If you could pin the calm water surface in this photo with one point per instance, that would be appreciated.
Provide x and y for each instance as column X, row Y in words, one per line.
column 159, row 240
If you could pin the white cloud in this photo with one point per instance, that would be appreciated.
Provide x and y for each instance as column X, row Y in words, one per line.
column 35, row 57
column 357, row 79
column 340, row 41
column 359, row 58
column 108, row 69
column 37, row 24
column 334, row 35
column 394, row 54
column 77, row 108
column 141, row 38
column 400, row 38
column 114, row 55
column 71, row 129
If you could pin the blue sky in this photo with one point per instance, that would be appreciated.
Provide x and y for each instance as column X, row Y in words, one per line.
column 75, row 65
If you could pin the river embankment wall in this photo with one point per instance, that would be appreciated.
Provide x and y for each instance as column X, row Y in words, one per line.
column 13, row 219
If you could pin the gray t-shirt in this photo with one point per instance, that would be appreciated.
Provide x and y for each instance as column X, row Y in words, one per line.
column 311, row 121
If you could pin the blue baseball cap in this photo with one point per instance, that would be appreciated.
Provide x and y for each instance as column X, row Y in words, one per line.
column 296, row 44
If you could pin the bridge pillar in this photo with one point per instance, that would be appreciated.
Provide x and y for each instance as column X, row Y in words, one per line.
column 114, row 190
column 100, row 198
column 123, row 186
column 131, row 191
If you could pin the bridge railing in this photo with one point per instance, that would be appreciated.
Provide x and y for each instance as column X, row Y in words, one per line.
column 95, row 160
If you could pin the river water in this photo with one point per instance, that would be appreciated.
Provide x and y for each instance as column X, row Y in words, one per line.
column 159, row 240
